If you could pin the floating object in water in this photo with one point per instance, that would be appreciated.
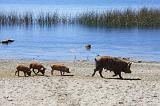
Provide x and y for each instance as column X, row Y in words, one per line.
column 4, row 41
column 7, row 41
column 10, row 40
column 88, row 46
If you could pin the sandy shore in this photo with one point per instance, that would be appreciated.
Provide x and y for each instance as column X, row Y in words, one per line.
column 78, row 88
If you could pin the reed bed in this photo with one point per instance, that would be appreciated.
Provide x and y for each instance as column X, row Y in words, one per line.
column 115, row 18
column 127, row 18
column 47, row 19
column 14, row 18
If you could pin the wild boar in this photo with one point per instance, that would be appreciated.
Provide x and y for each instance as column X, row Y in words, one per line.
column 59, row 67
column 24, row 69
column 113, row 64
column 38, row 66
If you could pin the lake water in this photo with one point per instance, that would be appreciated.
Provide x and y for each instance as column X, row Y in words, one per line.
column 66, row 42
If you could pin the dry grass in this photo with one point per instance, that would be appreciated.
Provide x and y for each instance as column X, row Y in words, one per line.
column 7, row 74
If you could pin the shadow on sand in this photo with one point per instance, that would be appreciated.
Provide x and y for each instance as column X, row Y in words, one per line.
column 65, row 75
column 43, row 75
column 125, row 78
column 22, row 76
column 39, row 75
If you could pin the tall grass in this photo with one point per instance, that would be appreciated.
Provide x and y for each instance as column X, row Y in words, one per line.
column 115, row 18
column 126, row 18
column 14, row 18
column 48, row 19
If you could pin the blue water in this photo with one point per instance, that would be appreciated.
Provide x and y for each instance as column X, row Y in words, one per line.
column 66, row 42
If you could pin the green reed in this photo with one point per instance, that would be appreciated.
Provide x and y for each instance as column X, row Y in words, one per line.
column 47, row 19
column 144, row 17
column 14, row 18
column 126, row 18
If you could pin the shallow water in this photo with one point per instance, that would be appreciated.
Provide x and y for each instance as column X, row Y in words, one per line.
column 66, row 42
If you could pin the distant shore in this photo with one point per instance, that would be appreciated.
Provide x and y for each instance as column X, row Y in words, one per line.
column 141, row 87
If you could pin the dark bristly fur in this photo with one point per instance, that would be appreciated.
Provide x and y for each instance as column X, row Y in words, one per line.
column 38, row 66
column 24, row 69
column 113, row 64
column 60, row 68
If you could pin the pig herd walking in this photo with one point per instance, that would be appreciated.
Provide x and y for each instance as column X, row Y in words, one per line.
column 40, row 68
column 114, row 64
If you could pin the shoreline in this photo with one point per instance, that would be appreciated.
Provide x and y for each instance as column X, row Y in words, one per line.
column 82, row 60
